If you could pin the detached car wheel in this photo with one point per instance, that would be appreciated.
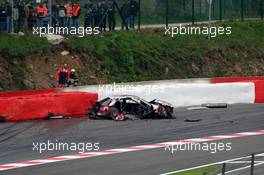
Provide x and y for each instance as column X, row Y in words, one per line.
column 2, row 119
column 52, row 116
column 91, row 114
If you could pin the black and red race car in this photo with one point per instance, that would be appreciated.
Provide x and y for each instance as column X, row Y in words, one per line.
column 128, row 107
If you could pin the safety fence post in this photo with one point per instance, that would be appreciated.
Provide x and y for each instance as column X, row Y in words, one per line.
column 252, row 164
column 224, row 5
column 223, row 168
column 167, row 13
column 50, row 12
column 242, row 10
column 193, row 15
column 12, row 21
column 220, row 10
column 139, row 14
column 262, row 9
column 200, row 8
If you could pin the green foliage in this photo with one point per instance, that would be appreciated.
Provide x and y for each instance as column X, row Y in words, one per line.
column 20, row 46
column 148, row 55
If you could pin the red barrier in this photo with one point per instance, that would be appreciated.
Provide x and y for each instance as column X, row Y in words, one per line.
column 235, row 79
column 259, row 91
column 39, row 106
column 27, row 92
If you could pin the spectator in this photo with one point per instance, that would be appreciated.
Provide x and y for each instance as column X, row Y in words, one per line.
column 100, row 13
column 88, row 18
column 73, row 81
column 32, row 17
column 68, row 8
column 26, row 16
column 22, row 15
column 15, row 16
column 62, row 14
column 76, row 11
column 63, row 75
column 133, row 10
column 8, row 11
column 46, row 19
column 125, row 14
column 41, row 14
column 55, row 14
column 111, row 16
column 96, row 16
column 2, row 17
column 103, row 15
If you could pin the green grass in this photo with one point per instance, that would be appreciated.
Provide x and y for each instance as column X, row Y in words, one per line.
column 210, row 170
column 21, row 46
column 125, row 56
column 147, row 55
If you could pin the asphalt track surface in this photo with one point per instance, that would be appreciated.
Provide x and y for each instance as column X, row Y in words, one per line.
column 16, row 141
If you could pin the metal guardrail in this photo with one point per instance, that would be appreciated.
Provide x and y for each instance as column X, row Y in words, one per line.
column 240, row 166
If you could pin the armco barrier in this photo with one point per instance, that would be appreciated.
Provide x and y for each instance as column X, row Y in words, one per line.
column 27, row 107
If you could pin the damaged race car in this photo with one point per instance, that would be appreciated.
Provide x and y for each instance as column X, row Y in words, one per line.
column 128, row 107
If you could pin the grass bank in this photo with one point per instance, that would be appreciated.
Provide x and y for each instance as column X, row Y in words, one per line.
column 136, row 56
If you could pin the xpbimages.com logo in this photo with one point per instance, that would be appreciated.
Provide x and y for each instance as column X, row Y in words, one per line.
column 212, row 147
column 129, row 88
column 197, row 30
column 79, row 31
column 81, row 147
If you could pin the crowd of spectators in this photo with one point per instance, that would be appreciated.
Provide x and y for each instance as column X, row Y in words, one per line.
column 23, row 16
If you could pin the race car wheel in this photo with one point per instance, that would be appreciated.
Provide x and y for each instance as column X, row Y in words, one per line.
column 169, row 112
column 114, row 112
column 162, row 112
